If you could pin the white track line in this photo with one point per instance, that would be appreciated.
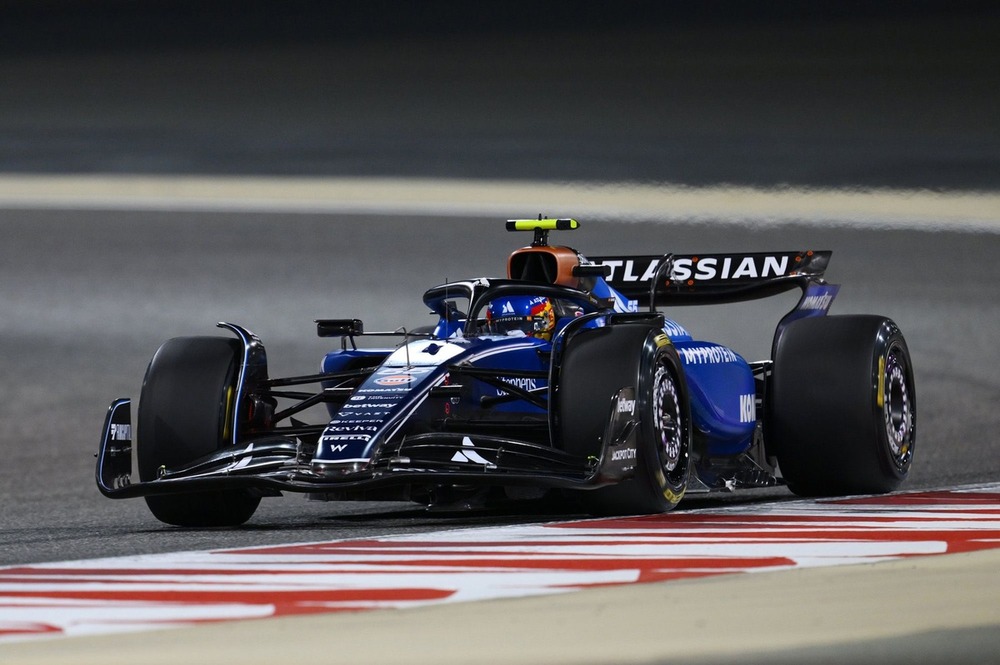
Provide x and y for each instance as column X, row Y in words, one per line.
column 153, row 591
column 977, row 212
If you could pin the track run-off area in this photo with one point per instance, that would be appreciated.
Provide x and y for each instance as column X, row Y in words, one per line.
column 862, row 208
column 159, row 591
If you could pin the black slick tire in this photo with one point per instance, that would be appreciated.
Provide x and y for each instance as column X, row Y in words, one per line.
column 185, row 411
column 597, row 365
column 842, row 406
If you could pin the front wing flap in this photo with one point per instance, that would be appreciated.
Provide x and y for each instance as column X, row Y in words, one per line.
column 278, row 463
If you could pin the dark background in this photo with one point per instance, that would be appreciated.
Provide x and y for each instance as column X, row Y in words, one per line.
column 841, row 94
column 47, row 26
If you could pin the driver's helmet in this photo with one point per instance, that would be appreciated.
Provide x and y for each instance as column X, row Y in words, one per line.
column 521, row 315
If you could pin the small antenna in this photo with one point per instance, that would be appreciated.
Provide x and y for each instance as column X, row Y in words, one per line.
column 406, row 343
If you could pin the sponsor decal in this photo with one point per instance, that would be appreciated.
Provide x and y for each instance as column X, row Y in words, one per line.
column 626, row 406
column 730, row 267
column 355, row 407
column 351, row 428
column 393, row 397
column 350, row 416
column 672, row 496
column 673, row 329
column 748, row 409
column 820, row 303
column 120, row 432
column 409, row 370
column 625, row 305
column 625, row 270
column 469, row 454
column 880, row 396
column 735, row 267
column 395, row 379
column 507, row 308
column 345, row 437
column 624, row 454
column 818, row 297
column 707, row 355
column 375, row 391
column 518, row 382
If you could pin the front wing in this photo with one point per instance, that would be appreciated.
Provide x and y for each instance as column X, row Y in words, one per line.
column 275, row 464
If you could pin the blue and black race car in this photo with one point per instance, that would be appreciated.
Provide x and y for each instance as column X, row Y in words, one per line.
column 562, row 376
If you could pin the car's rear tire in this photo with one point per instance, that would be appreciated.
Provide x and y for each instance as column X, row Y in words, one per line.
column 842, row 406
column 597, row 365
column 185, row 411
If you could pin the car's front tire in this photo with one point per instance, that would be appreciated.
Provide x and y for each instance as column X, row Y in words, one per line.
column 597, row 365
column 185, row 412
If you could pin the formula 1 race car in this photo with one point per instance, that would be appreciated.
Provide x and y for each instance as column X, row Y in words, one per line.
column 562, row 377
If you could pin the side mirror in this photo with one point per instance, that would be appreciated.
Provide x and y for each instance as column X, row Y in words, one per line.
column 339, row 327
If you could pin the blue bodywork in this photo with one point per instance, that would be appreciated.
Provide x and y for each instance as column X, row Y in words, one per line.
column 460, row 404
column 722, row 388
column 383, row 401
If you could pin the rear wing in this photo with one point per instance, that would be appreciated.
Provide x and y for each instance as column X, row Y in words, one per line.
column 687, row 279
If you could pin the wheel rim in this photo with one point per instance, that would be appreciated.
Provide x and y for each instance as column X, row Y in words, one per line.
column 897, row 408
column 668, row 423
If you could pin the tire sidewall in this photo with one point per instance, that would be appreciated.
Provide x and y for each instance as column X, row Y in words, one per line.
column 667, row 487
column 893, row 374
column 612, row 358
column 178, row 423
column 825, row 421
column 185, row 410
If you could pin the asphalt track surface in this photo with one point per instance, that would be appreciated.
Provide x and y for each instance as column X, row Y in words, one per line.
column 88, row 292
